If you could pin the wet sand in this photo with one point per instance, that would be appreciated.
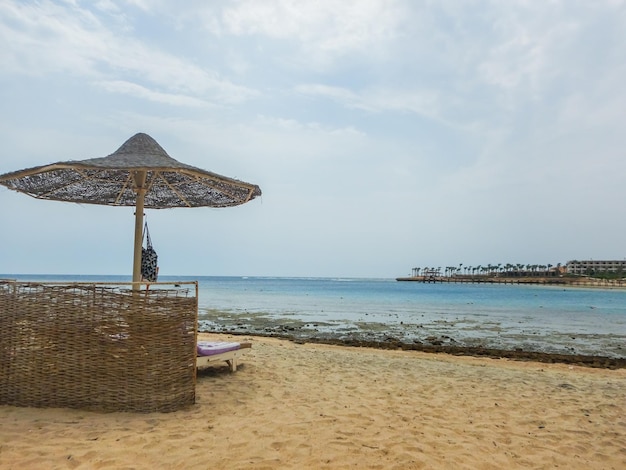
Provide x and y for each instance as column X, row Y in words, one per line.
column 297, row 406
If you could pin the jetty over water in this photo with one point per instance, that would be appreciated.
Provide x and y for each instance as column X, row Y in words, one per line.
column 574, row 281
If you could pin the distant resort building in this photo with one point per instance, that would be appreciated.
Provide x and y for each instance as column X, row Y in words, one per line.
column 594, row 267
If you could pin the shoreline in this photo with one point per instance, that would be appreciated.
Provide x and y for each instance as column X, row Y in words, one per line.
column 518, row 354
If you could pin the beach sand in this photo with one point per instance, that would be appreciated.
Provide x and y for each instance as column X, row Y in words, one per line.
column 319, row 406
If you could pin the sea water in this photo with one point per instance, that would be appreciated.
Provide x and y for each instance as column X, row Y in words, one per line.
column 588, row 321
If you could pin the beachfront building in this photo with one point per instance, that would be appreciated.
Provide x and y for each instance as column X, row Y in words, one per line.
column 595, row 267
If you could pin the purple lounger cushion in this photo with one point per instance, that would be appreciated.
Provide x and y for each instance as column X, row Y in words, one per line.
column 210, row 348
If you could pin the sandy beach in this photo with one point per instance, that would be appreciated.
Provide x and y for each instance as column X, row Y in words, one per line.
column 320, row 406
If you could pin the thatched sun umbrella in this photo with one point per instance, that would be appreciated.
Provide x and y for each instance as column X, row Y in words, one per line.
column 140, row 173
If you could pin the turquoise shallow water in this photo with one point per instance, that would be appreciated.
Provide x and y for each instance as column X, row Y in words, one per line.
column 534, row 318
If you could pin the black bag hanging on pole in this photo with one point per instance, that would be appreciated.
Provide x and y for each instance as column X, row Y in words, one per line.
column 149, row 266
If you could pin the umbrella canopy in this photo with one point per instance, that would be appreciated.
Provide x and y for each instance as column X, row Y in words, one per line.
column 140, row 173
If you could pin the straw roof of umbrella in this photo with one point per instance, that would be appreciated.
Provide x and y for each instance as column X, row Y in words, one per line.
column 111, row 180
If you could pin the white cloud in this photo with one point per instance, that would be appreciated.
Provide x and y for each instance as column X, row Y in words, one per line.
column 138, row 91
column 49, row 39
column 107, row 6
column 376, row 100
column 321, row 32
column 43, row 37
column 336, row 26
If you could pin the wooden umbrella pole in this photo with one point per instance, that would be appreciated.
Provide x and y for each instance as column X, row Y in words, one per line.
column 140, row 181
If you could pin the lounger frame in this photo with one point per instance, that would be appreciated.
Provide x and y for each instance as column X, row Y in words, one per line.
column 231, row 357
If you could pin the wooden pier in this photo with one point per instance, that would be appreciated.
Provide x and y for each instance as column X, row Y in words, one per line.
column 536, row 280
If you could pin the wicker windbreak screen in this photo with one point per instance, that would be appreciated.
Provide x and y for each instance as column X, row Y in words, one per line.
column 98, row 346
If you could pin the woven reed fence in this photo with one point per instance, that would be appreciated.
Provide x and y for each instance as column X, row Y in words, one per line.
column 98, row 346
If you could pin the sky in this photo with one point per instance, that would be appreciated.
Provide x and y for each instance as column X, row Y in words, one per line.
column 384, row 134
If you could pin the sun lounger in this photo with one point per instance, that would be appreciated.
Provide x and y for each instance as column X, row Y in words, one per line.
column 212, row 351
